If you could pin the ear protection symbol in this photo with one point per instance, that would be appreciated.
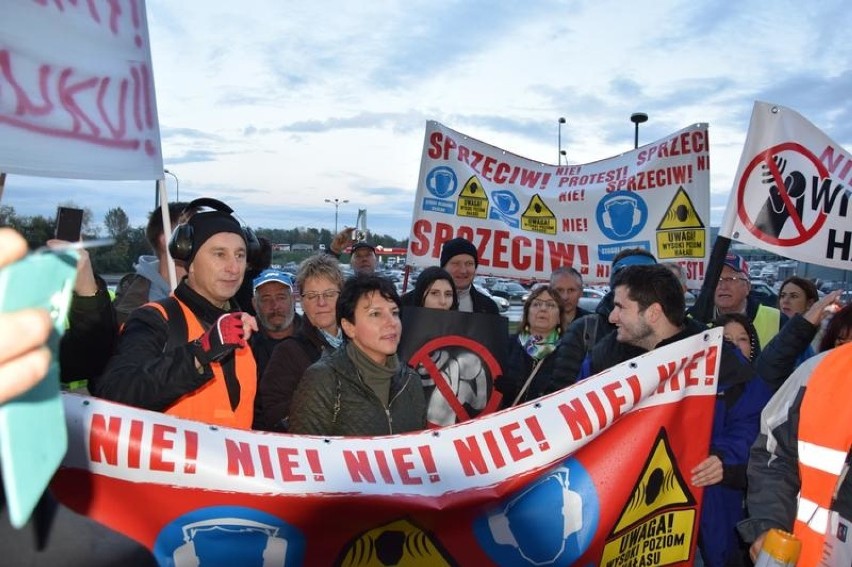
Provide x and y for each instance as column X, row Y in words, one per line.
column 181, row 244
column 572, row 518
column 274, row 554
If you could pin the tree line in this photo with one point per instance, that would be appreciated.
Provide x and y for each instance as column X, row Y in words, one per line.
column 130, row 243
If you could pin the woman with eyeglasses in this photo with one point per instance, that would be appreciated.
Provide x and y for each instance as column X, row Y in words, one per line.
column 319, row 281
column 362, row 388
column 529, row 365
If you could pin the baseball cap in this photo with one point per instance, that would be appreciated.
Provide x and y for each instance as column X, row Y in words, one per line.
column 362, row 244
column 272, row 275
column 736, row 262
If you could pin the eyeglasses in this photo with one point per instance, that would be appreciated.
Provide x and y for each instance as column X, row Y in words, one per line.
column 732, row 279
column 536, row 304
column 328, row 295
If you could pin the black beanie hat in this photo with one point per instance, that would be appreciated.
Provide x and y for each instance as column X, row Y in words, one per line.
column 207, row 223
column 458, row 246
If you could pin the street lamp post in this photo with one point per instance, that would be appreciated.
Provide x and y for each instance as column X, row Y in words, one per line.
column 637, row 118
column 336, row 203
column 561, row 153
column 177, row 184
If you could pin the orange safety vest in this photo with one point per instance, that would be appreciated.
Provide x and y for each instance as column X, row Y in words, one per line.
column 825, row 437
column 210, row 403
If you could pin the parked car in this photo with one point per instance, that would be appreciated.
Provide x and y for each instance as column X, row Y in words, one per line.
column 590, row 298
column 513, row 291
column 502, row 302
column 764, row 293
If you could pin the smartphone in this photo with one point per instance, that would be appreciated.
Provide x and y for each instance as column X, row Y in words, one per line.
column 69, row 223
column 33, row 436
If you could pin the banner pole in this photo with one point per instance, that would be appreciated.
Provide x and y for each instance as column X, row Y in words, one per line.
column 2, row 184
column 167, row 222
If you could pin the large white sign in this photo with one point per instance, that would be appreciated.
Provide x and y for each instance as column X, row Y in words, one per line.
column 77, row 90
column 791, row 192
column 527, row 218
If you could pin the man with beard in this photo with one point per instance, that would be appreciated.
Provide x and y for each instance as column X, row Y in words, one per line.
column 276, row 314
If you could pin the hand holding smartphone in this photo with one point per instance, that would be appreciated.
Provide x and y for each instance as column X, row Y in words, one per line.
column 69, row 223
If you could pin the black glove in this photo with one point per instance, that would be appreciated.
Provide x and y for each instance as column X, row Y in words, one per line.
column 221, row 339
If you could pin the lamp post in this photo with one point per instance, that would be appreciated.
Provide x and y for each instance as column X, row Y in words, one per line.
column 561, row 153
column 177, row 184
column 637, row 118
column 336, row 203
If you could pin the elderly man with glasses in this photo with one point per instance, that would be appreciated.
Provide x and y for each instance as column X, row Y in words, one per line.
column 732, row 296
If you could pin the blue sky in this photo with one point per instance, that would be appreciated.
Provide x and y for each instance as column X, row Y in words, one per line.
column 276, row 106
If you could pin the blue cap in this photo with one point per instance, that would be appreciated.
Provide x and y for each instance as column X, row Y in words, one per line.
column 272, row 275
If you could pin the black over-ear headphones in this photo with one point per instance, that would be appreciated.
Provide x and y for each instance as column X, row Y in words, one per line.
column 181, row 243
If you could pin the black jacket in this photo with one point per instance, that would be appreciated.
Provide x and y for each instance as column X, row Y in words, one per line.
column 577, row 341
column 519, row 365
column 780, row 356
column 482, row 303
column 283, row 373
column 332, row 399
column 146, row 371
column 90, row 340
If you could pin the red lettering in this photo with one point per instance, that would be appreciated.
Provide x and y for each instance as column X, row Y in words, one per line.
column 494, row 449
column 470, row 456
column 288, row 465
column 134, row 448
column 434, row 151
column 159, row 444
column 577, row 418
column 513, row 442
column 616, row 402
column 500, row 249
column 265, row 461
column 404, row 466
column 103, row 439
column 239, row 458
column 420, row 244
column 358, row 465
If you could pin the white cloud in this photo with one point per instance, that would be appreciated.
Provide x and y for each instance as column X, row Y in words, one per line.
column 276, row 106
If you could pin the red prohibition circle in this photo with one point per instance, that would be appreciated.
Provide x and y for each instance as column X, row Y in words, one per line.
column 765, row 158
column 422, row 357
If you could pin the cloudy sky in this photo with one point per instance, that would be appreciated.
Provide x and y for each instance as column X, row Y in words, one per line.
column 275, row 106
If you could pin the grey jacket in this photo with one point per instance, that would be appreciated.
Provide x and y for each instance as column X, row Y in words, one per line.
column 332, row 399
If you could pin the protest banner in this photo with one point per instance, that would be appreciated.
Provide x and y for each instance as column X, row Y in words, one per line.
column 594, row 474
column 791, row 191
column 528, row 218
column 77, row 91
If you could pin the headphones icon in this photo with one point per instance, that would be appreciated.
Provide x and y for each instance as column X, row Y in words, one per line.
column 181, row 243
column 274, row 554
column 572, row 518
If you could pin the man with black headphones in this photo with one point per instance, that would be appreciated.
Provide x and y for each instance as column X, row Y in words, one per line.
column 187, row 355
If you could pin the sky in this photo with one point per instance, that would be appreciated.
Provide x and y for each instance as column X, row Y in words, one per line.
column 275, row 106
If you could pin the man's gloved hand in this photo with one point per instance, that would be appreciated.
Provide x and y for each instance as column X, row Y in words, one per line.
column 221, row 339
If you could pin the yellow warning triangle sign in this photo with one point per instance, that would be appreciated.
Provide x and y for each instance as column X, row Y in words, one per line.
column 473, row 200
column 681, row 213
column 473, row 189
column 538, row 217
column 659, row 486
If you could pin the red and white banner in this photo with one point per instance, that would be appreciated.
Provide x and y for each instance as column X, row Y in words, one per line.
column 527, row 218
column 594, row 474
column 77, row 90
column 791, row 192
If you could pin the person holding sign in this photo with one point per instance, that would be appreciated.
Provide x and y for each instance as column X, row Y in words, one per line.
column 188, row 355
column 649, row 312
column 361, row 389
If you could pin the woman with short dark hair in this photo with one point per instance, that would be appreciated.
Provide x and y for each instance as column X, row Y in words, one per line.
column 361, row 389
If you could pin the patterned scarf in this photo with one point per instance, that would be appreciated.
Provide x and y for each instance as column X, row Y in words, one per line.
column 333, row 341
column 536, row 346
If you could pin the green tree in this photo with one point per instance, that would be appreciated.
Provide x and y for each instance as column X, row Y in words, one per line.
column 116, row 222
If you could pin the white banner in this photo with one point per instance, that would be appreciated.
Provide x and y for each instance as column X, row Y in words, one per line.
column 791, row 194
column 528, row 218
column 77, row 91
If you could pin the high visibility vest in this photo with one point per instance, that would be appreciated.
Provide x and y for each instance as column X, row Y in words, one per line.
column 767, row 321
column 210, row 403
column 825, row 437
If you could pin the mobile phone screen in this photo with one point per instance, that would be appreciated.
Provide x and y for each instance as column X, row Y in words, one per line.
column 69, row 223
